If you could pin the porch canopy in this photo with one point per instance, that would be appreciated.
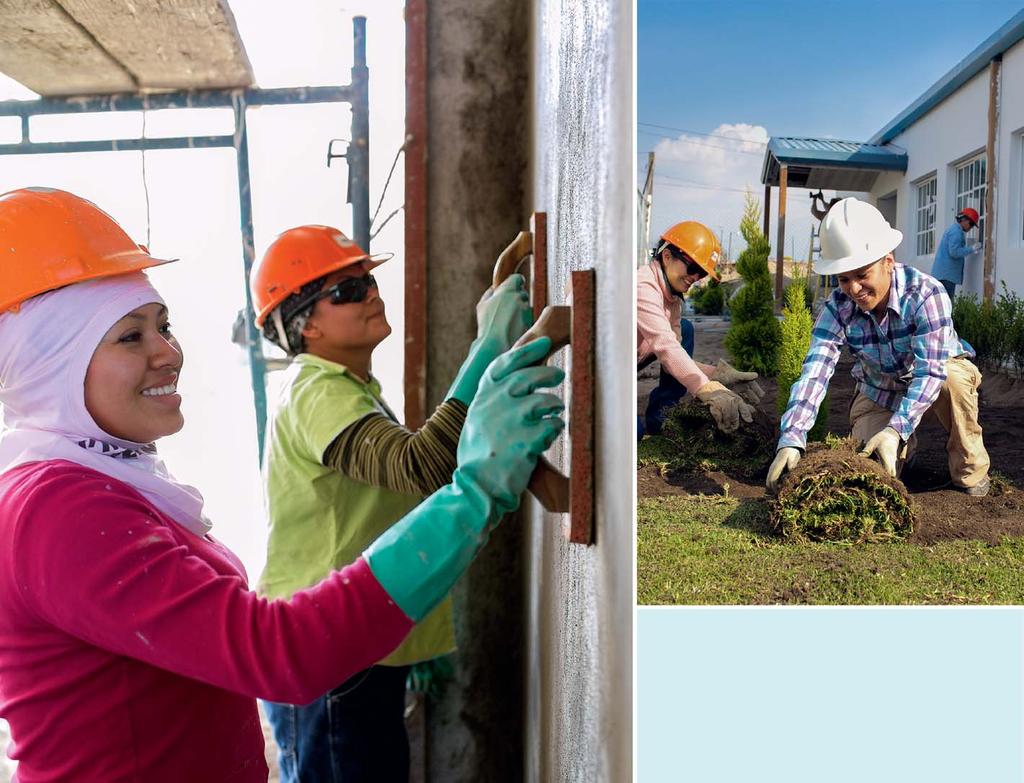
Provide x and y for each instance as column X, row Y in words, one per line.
column 820, row 164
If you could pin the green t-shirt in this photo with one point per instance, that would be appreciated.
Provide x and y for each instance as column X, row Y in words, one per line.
column 320, row 519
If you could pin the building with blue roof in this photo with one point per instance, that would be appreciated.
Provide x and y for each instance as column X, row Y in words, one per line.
column 960, row 144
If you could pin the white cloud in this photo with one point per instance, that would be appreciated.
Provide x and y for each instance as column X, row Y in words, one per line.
column 704, row 177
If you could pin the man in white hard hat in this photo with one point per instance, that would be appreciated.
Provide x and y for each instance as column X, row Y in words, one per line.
column 896, row 322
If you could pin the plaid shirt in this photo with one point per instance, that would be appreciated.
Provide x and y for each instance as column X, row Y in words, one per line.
column 901, row 358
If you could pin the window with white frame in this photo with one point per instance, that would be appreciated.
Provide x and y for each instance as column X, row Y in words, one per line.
column 970, row 192
column 926, row 192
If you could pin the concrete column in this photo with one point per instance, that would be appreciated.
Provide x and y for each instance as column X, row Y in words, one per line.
column 477, row 166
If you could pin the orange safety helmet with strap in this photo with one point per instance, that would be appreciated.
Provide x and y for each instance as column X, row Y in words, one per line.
column 297, row 257
column 697, row 241
column 51, row 238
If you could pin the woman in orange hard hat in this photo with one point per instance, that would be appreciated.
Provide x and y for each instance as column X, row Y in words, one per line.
column 687, row 252
column 340, row 469
column 131, row 647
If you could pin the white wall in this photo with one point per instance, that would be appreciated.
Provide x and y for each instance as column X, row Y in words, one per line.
column 951, row 132
column 580, row 601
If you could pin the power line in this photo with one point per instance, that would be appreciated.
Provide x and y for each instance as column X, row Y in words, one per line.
column 690, row 183
column 698, row 133
column 705, row 144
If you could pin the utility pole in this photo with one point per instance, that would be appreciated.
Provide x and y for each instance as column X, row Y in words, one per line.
column 730, row 247
column 646, row 201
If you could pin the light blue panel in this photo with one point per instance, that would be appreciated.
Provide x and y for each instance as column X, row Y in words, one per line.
column 840, row 695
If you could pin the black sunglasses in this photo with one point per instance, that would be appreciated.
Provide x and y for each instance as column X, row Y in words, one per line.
column 347, row 291
column 692, row 267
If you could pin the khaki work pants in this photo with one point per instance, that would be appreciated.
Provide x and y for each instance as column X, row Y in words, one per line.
column 956, row 409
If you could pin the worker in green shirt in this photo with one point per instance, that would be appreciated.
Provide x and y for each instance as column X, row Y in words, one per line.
column 340, row 470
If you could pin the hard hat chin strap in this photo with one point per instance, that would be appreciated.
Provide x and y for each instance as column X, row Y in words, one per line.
column 282, row 333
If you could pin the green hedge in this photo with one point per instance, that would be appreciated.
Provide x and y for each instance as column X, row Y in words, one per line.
column 994, row 329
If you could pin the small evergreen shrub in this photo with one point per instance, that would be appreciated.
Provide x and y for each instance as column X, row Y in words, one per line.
column 796, row 340
column 708, row 299
column 995, row 329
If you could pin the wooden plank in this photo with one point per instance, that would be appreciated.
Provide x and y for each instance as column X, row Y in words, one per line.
column 415, row 213
column 581, row 409
column 780, row 255
column 539, row 263
column 767, row 210
column 44, row 49
column 991, row 177
column 84, row 47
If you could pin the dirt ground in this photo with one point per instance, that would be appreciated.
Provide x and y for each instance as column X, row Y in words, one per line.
column 942, row 512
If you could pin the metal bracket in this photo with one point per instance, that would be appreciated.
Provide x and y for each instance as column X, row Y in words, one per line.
column 569, row 325
column 331, row 154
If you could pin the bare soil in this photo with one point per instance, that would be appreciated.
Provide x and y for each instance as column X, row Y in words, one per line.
column 942, row 512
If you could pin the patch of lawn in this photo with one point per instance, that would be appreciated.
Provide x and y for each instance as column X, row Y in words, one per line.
column 721, row 550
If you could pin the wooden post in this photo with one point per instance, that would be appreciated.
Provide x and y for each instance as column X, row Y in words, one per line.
column 991, row 180
column 783, row 174
column 415, row 213
column 767, row 208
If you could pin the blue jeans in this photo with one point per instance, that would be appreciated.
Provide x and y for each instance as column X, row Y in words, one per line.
column 950, row 288
column 669, row 391
column 354, row 734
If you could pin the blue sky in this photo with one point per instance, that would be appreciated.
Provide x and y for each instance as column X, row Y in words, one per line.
column 751, row 70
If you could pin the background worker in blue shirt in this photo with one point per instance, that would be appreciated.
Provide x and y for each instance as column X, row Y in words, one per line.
column 948, row 268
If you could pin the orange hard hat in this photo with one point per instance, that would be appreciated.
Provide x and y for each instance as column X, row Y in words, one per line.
column 299, row 256
column 51, row 238
column 698, row 242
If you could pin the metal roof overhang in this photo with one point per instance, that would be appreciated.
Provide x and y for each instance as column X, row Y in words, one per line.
column 103, row 47
column 828, row 164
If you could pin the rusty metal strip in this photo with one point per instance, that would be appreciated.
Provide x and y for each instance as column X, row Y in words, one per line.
column 581, row 409
column 991, row 178
column 539, row 263
column 780, row 255
column 415, row 213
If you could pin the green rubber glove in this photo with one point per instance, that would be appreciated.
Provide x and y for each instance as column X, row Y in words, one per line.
column 430, row 677
column 508, row 426
column 503, row 314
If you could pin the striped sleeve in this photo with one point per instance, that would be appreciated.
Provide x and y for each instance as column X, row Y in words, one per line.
column 827, row 340
column 378, row 451
column 933, row 335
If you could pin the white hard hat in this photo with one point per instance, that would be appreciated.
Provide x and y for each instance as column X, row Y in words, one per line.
column 854, row 234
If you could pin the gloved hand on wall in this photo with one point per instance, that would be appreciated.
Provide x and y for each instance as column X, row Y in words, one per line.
column 727, row 407
column 503, row 314
column 976, row 247
column 508, row 426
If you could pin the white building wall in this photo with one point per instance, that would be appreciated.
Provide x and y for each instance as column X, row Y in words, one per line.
column 953, row 131
column 580, row 598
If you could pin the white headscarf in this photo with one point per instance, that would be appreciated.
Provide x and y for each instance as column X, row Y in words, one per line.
column 45, row 350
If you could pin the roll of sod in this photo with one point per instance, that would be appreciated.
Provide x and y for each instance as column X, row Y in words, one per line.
column 834, row 494
column 700, row 445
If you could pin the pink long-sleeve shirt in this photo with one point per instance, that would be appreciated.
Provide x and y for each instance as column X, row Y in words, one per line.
column 133, row 650
column 657, row 329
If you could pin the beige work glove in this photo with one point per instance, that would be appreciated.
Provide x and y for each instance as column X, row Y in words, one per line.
column 785, row 460
column 885, row 447
column 726, row 406
column 743, row 383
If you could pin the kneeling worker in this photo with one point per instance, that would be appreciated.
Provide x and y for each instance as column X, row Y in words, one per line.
column 687, row 252
column 896, row 322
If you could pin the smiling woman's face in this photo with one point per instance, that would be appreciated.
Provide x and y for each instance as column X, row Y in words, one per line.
column 131, row 383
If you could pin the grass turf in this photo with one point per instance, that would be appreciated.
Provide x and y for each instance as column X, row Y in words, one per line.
column 720, row 550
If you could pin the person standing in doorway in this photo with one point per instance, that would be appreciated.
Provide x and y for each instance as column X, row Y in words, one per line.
column 948, row 268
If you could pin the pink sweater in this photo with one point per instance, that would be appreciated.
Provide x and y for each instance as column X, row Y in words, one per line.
column 132, row 650
column 657, row 329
